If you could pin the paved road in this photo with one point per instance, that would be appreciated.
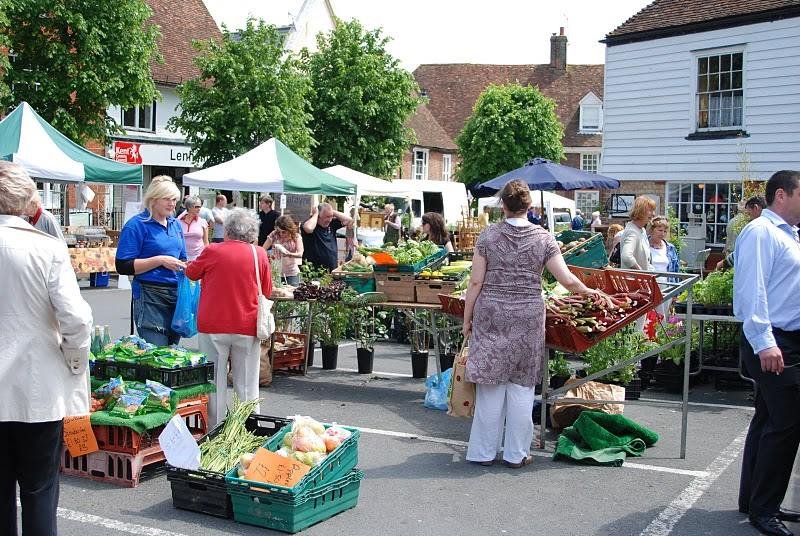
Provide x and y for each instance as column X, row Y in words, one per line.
column 418, row 483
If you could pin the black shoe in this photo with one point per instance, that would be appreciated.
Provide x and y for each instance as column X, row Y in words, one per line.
column 791, row 516
column 770, row 525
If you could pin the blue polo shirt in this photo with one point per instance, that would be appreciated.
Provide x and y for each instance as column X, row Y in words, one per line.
column 143, row 237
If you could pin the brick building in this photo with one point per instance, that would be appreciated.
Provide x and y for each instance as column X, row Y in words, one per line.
column 453, row 89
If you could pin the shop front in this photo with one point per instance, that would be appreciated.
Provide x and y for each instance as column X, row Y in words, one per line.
column 715, row 202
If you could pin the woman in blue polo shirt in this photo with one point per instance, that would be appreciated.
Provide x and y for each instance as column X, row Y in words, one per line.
column 151, row 248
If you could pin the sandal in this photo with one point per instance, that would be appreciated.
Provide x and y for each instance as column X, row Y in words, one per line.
column 488, row 463
column 525, row 461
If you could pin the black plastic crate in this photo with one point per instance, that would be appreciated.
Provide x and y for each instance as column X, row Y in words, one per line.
column 170, row 377
column 205, row 491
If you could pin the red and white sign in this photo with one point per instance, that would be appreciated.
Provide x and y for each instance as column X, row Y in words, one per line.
column 128, row 152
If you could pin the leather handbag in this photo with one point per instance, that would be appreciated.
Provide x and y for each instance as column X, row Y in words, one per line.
column 265, row 323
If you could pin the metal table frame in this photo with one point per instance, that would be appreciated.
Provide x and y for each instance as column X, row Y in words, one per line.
column 669, row 290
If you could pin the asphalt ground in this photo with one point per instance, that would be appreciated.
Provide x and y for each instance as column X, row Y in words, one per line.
column 417, row 481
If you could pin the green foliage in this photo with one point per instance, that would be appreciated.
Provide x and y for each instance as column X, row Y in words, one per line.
column 75, row 59
column 738, row 222
column 5, row 91
column 672, row 329
column 370, row 325
column 715, row 289
column 559, row 366
column 249, row 90
column 510, row 124
column 360, row 102
column 623, row 345
column 330, row 322
column 676, row 232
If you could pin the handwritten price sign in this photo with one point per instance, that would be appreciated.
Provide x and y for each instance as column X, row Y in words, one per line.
column 78, row 436
column 275, row 469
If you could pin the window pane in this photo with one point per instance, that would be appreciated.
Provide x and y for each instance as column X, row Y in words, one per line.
column 702, row 83
column 737, row 61
column 702, row 120
column 702, row 102
column 713, row 82
column 736, row 80
column 725, row 81
column 725, row 64
column 702, row 65
column 144, row 117
column 129, row 117
column 713, row 64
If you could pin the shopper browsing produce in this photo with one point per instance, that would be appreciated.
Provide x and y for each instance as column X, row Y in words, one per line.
column 634, row 246
column 319, row 235
column 152, row 249
column 505, row 362
column 287, row 247
column 433, row 226
column 43, row 359
column 226, row 317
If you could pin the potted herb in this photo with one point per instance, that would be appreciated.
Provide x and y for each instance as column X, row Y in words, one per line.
column 559, row 369
column 420, row 342
column 621, row 346
column 369, row 327
column 669, row 373
column 330, row 324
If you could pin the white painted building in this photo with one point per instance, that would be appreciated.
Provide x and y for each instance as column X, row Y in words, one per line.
column 695, row 101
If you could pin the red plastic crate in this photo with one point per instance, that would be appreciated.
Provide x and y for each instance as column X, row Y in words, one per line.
column 568, row 339
column 452, row 305
column 125, row 440
column 116, row 468
column 292, row 358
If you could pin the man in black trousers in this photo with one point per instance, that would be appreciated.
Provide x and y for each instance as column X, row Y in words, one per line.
column 767, row 301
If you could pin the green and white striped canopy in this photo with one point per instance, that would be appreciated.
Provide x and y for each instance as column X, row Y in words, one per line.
column 270, row 167
column 46, row 154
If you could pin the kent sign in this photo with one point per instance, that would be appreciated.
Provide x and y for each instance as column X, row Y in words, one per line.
column 152, row 154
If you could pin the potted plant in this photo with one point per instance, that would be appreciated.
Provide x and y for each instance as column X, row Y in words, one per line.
column 369, row 326
column 420, row 342
column 559, row 369
column 330, row 323
column 621, row 346
column 669, row 373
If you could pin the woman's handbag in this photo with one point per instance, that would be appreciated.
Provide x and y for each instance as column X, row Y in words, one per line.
column 265, row 323
column 461, row 402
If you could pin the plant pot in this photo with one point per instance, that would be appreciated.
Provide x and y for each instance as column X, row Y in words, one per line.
column 310, row 356
column 419, row 364
column 558, row 381
column 330, row 355
column 633, row 389
column 446, row 361
column 646, row 373
column 366, row 357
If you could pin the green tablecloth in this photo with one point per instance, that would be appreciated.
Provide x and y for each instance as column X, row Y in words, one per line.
column 142, row 423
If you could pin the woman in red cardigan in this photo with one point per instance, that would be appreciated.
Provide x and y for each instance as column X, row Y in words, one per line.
column 226, row 316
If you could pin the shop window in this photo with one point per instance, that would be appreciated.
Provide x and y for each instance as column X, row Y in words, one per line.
column 716, row 202
column 140, row 118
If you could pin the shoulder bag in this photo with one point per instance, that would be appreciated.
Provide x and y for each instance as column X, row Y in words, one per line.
column 265, row 323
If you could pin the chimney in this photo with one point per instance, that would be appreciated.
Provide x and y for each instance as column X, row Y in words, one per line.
column 558, row 51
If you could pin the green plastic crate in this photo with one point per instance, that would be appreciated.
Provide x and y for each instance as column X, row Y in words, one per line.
column 274, row 511
column 336, row 465
column 360, row 284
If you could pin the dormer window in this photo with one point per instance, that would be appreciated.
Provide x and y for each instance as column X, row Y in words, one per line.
column 591, row 114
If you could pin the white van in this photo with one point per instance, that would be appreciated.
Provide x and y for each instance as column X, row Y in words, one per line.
column 445, row 197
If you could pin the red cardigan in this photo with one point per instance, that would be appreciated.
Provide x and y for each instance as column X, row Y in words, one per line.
column 228, row 299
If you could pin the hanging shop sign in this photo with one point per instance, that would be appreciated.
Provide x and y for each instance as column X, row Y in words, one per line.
column 152, row 154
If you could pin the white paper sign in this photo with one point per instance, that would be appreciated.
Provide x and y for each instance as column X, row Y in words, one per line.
column 283, row 202
column 178, row 445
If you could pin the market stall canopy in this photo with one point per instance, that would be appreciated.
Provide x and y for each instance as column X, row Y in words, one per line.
column 542, row 174
column 46, row 154
column 537, row 198
column 367, row 184
column 270, row 167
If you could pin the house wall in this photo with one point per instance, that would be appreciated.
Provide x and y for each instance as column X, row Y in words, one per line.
column 314, row 17
column 649, row 106
column 434, row 165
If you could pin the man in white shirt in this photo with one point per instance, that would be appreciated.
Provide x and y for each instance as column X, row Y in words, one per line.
column 43, row 359
column 220, row 212
column 42, row 219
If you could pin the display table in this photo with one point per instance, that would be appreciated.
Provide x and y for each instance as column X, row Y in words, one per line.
column 92, row 260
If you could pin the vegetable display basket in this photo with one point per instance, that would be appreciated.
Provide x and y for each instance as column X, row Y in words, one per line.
column 291, row 359
column 206, row 491
column 414, row 268
column 170, row 377
column 589, row 254
column 398, row 287
column 335, row 465
column 566, row 338
column 258, row 507
column 361, row 282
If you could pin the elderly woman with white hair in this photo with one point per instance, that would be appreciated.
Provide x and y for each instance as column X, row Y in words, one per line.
column 226, row 318
column 43, row 358
column 152, row 249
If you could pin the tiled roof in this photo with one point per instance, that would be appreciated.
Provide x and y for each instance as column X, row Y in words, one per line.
column 181, row 22
column 675, row 16
column 429, row 132
column 452, row 90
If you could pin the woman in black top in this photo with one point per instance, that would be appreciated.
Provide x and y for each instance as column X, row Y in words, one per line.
column 433, row 227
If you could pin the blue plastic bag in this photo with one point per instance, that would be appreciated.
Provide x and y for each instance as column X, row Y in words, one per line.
column 184, row 320
column 438, row 385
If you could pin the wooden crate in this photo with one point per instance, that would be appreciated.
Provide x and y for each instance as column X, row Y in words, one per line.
column 397, row 286
column 427, row 291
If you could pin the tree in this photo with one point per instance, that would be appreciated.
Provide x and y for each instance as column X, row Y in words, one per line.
column 509, row 125
column 361, row 101
column 5, row 91
column 248, row 91
column 72, row 60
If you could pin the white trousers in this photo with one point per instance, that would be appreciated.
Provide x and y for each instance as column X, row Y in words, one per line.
column 244, row 352
column 506, row 404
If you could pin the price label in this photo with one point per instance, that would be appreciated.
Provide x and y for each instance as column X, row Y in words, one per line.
column 275, row 469
column 78, row 436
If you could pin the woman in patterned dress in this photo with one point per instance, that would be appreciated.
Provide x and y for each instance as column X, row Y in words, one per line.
column 504, row 318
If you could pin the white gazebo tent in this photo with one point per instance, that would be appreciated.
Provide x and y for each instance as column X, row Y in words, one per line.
column 367, row 184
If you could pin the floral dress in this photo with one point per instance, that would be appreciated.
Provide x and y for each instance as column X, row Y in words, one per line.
column 507, row 340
